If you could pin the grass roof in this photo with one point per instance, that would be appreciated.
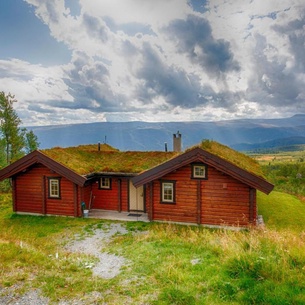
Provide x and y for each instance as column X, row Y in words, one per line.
column 239, row 159
column 86, row 159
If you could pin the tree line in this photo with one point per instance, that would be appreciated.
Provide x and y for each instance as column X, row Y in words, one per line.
column 15, row 141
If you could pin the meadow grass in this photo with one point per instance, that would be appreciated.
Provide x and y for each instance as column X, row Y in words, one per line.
column 168, row 263
column 282, row 211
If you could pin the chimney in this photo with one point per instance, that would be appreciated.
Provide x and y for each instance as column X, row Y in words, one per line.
column 177, row 141
column 165, row 146
column 99, row 146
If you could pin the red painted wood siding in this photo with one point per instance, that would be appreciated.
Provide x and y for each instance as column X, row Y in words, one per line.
column 125, row 194
column 219, row 200
column 86, row 195
column 225, row 200
column 114, row 199
column 31, row 193
column 185, row 207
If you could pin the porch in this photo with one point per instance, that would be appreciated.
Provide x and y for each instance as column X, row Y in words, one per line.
column 114, row 215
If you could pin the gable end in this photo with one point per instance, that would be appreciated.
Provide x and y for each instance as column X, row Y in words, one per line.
column 38, row 157
column 200, row 155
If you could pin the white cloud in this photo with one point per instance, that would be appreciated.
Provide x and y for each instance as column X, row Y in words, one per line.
column 159, row 60
column 154, row 13
column 33, row 83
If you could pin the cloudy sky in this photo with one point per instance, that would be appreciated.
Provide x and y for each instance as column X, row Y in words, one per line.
column 72, row 61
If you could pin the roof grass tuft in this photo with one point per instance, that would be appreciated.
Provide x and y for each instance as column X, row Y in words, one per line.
column 87, row 159
column 237, row 158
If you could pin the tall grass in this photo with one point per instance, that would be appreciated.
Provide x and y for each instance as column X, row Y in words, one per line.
column 191, row 265
column 168, row 263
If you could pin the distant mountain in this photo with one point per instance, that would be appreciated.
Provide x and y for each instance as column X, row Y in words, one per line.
column 291, row 144
column 239, row 134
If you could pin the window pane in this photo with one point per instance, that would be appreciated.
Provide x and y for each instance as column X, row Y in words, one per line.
column 168, row 192
column 54, row 188
column 199, row 171
column 105, row 182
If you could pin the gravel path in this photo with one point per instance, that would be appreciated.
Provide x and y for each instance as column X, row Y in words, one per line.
column 109, row 265
column 33, row 297
column 106, row 266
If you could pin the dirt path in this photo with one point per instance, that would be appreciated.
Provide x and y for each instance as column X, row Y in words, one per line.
column 108, row 265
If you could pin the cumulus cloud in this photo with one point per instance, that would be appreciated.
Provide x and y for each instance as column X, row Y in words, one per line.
column 164, row 60
column 193, row 37
column 278, row 78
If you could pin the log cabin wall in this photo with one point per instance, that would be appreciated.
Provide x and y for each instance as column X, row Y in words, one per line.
column 114, row 199
column 68, row 202
column 225, row 200
column 85, row 195
column 31, row 193
column 185, row 206
column 218, row 200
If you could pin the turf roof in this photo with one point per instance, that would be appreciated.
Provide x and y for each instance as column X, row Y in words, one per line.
column 87, row 159
column 239, row 159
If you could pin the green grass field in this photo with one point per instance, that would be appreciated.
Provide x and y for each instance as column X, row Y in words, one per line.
column 282, row 211
column 168, row 264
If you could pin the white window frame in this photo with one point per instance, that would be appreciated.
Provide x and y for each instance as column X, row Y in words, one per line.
column 168, row 197
column 54, row 187
column 199, row 171
column 103, row 185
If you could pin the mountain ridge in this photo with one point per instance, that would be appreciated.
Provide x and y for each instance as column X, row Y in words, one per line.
column 139, row 135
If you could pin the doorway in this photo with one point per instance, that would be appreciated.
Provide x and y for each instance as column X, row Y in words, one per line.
column 136, row 198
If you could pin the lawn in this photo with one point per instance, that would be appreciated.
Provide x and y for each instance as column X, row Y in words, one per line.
column 168, row 264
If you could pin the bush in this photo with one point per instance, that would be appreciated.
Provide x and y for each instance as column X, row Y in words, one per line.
column 287, row 177
column 5, row 186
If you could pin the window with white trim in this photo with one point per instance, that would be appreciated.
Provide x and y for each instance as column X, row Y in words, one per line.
column 54, row 187
column 168, row 192
column 105, row 183
column 199, row 171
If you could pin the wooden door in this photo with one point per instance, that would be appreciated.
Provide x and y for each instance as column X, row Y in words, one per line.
column 136, row 198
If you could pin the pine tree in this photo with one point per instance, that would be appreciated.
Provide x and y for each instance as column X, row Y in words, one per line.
column 31, row 141
column 16, row 140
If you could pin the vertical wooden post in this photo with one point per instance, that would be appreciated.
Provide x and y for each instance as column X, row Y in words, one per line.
column 144, row 198
column 199, row 202
column 119, row 195
column 75, row 199
column 44, row 195
column 251, row 205
column 14, row 194
column 151, row 205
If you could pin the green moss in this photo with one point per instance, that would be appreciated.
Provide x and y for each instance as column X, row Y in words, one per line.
column 87, row 159
column 239, row 159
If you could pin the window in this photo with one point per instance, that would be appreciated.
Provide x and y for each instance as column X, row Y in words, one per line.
column 105, row 183
column 54, row 187
column 168, row 191
column 199, row 171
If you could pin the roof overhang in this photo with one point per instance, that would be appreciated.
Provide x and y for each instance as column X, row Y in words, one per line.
column 36, row 157
column 109, row 174
column 199, row 155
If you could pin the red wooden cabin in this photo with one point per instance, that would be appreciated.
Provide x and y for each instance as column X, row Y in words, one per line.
column 196, row 186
